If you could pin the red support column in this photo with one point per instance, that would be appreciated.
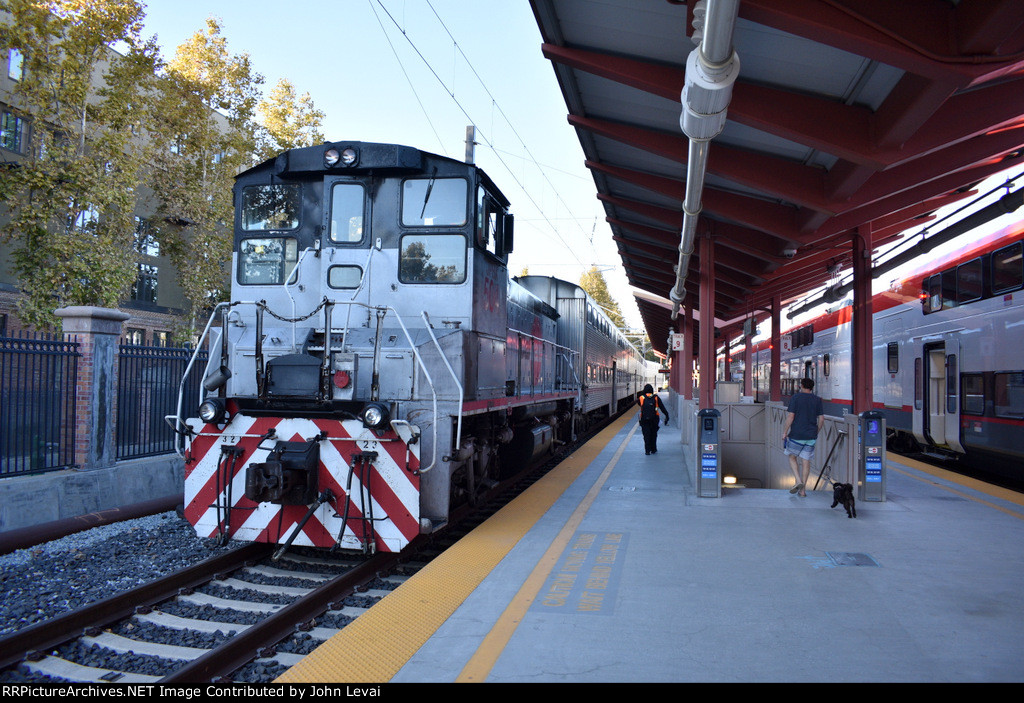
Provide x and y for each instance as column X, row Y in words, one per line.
column 707, row 323
column 687, row 376
column 748, row 359
column 775, row 383
column 862, row 331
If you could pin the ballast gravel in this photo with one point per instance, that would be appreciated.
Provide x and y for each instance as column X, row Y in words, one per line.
column 49, row 579
column 53, row 578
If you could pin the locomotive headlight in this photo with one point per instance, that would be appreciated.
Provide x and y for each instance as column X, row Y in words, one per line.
column 374, row 415
column 212, row 410
column 331, row 157
column 348, row 156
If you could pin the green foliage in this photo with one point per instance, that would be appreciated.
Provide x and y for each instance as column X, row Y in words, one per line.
column 593, row 282
column 107, row 133
column 288, row 121
column 68, row 204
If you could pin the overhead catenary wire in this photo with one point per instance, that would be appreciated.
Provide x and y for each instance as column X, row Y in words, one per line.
column 486, row 141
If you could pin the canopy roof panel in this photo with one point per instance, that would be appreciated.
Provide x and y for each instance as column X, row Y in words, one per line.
column 847, row 116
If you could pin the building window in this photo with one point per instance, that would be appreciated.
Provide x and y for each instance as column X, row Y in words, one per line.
column 145, row 287
column 133, row 335
column 85, row 220
column 145, row 242
column 161, row 338
column 15, row 65
column 12, row 130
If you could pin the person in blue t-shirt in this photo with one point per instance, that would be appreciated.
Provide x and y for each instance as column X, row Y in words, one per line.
column 803, row 423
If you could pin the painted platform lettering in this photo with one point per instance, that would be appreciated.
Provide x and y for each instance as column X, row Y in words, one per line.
column 587, row 576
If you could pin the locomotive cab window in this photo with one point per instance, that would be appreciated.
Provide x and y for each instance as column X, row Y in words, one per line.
column 432, row 258
column 271, row 207
column 490, row 220
column 434, row 202
column 347, row 212
column 267, row 261
column 344, row 276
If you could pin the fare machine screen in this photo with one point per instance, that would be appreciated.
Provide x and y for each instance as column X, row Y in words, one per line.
column 871, row 469
column 709, row 481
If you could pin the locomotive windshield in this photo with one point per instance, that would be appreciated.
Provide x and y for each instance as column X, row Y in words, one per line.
column 266, row 262
column 271, row 207
column 434, row 202
column 432, row 258
column 347, row 206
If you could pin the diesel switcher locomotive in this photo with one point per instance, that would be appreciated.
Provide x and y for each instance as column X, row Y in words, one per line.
column 376, row 365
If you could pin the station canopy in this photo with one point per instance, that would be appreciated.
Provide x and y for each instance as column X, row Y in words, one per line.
column 845, row 116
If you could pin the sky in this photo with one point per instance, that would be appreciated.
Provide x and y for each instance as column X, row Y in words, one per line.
column 417, row 73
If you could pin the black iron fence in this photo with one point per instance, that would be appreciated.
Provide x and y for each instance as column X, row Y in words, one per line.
column 148, row 383
column 38, row 378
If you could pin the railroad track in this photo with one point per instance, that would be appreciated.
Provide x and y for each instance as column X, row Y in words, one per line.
column 239, row 616
column 253, row 611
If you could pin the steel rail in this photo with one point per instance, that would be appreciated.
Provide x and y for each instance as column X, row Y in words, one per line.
column 55, row 631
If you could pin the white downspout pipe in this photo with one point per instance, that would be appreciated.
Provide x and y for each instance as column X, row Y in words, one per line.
column 711, row 71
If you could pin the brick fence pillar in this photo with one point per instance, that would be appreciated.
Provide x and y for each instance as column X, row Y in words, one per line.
column 97, row 331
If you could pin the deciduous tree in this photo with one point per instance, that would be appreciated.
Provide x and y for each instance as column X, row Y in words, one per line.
column 68, row 202
column 288, row 120
column 593, row 282
column 205, row 135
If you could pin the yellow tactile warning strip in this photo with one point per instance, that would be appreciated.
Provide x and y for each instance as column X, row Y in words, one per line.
column 966, row 481
column 421, row 604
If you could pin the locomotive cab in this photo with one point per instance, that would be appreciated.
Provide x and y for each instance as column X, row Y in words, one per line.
column 357, row 381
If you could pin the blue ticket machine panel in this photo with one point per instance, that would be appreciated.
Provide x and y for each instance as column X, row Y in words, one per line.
column 871, row 457
column 709, row 445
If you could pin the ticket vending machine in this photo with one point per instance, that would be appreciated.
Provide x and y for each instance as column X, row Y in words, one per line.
column 709, row 444
column 871, row 457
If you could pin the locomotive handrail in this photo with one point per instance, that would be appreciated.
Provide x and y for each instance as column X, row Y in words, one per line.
column 178, row 420
column 455, row 378
column 572, row 352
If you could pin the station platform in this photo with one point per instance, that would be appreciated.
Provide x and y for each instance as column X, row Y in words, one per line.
column 612, row 570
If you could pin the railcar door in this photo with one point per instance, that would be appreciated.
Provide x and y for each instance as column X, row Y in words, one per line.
column 937, row 394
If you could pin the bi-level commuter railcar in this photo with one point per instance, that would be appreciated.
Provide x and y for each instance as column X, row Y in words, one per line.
column 376, row 364
column 948, row 359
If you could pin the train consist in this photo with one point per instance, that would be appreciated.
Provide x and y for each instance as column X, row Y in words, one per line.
column 948, row 355
column 377, row 366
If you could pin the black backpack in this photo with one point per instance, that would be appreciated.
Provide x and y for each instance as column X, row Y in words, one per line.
column 648, row 408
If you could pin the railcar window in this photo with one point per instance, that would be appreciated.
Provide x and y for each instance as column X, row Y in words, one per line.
column 968, row 282
column 892, row 355
column 344, row 276
column 1008, row 394
column 434, row 202
column 271, row 207
column 1007, row 270
column 347, row 208
column 266, row 262
column 432, row 258
column 972, row 392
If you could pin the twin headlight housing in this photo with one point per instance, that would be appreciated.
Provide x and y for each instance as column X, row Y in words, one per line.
column 346, row 157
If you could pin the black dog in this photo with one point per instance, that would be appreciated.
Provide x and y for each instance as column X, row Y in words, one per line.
column 843, row 493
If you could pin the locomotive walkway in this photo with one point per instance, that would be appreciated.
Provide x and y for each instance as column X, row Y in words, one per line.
column 611, row 569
